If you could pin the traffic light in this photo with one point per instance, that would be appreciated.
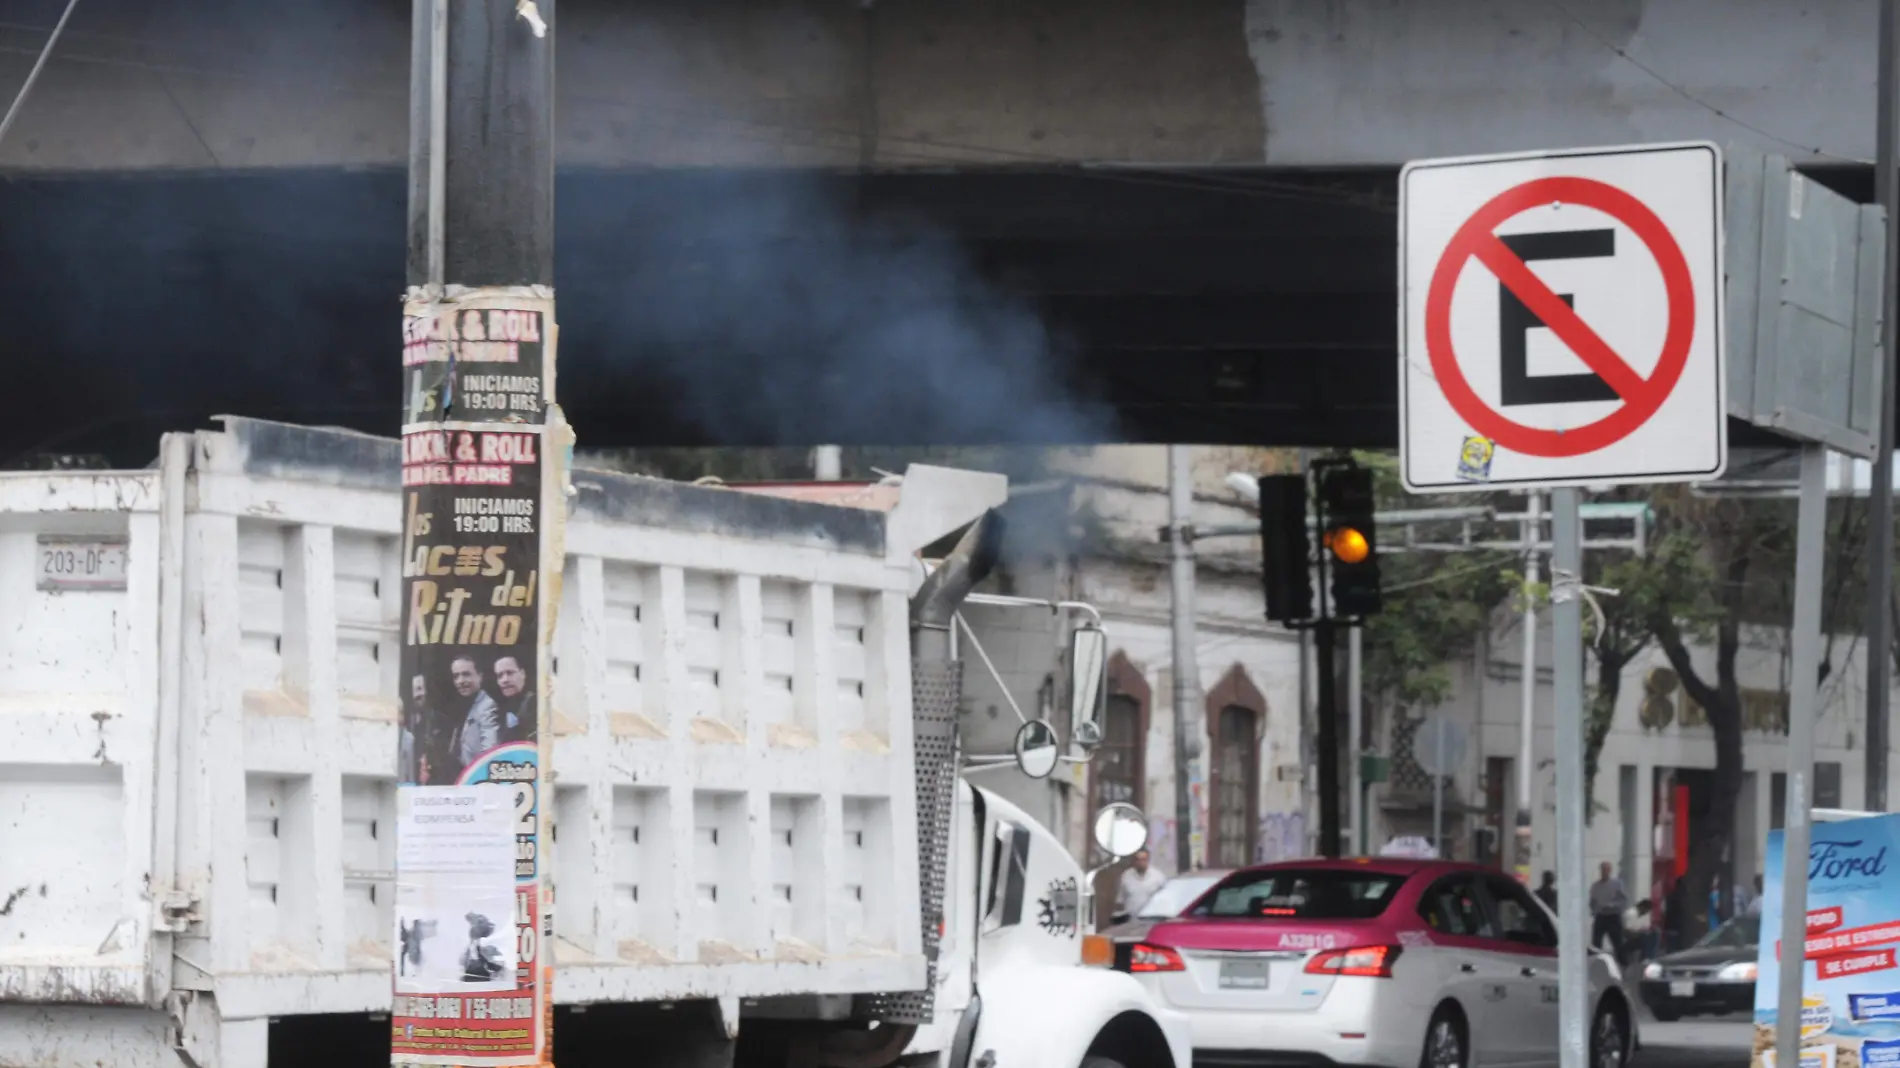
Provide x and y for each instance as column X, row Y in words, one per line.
column 1285, row 548
column 1347, row 534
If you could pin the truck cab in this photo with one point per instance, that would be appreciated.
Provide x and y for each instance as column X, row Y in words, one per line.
column 1022, row 979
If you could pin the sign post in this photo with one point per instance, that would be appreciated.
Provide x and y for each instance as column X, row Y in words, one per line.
column 1561, row 326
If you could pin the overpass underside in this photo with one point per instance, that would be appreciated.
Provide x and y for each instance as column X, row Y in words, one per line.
column 802, row 221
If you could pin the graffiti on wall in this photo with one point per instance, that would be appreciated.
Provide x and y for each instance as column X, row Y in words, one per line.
column 1282, row 837
column 1161, row 841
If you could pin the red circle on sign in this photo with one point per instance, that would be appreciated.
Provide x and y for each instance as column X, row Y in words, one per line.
column 1641, row 396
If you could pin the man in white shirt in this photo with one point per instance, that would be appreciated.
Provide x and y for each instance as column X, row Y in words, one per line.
column 1139, row 883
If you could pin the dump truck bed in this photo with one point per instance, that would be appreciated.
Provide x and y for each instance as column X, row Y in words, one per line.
column 198, row 682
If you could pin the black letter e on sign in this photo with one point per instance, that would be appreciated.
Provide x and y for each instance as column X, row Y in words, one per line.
column 1515, row 320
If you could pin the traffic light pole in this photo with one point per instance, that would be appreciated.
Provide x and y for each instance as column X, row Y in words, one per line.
column 1340, row 494
column 1327, row 739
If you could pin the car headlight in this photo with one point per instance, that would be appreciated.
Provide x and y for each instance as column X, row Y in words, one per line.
column 1652, row 970
column 1742, row 972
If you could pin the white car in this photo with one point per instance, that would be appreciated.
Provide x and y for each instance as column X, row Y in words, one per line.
column 1383, row 961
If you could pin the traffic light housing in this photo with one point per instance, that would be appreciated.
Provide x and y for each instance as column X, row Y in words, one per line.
column 1286, row 550
column 1349, row 538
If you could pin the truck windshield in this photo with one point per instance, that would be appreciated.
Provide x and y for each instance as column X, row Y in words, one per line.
column 1301, row 895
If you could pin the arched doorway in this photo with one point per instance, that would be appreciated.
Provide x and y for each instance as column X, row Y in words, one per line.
column 1236, row 721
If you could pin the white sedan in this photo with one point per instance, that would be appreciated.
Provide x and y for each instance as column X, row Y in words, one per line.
column 1386, row 961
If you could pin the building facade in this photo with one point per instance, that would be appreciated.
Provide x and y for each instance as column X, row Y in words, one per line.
column 1246, row 784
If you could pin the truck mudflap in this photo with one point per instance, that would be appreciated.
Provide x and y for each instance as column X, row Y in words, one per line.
column 1052, row 1016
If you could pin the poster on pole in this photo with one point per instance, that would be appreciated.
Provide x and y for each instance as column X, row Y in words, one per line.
column 472, row 911
column 1850, row 989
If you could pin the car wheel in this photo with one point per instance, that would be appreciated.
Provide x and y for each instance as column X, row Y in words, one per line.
column 1444, row 1042
column 1609, row 1038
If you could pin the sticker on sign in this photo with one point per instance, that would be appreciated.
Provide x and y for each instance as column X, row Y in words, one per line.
column 1560, row 319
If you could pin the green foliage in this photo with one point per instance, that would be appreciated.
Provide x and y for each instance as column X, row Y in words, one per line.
column 1436, row 606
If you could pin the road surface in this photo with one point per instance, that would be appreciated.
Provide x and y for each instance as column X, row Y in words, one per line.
column 1703, row 1042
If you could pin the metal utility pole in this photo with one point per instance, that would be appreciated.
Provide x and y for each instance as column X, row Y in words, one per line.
column 1527, row 720
column 1187, row 673
column 1810, row 550
column 1880, row 494
column 484, row 507
column 1566, row 620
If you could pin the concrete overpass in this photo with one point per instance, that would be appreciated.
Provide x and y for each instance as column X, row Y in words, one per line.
column 1182, row 210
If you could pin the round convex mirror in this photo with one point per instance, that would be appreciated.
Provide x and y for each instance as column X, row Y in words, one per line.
column 1036, row 749
column 1121, row 830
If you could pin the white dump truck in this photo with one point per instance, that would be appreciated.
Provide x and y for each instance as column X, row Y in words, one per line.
column 762, row 849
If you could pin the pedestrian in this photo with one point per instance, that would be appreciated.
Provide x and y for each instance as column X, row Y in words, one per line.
column 1754, row 903
column 1547, row 892
column 1608, row 899
column 1639, row 925
column 1140, row 882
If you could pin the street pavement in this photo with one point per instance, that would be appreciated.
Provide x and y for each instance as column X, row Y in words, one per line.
column 1700, row 1042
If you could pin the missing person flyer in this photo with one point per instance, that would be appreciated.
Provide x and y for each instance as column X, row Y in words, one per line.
column 1850, row 993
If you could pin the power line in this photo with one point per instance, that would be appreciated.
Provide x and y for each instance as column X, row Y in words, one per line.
column 26, row 87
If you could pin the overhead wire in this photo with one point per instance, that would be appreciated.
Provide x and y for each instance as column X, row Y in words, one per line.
column 33, row 76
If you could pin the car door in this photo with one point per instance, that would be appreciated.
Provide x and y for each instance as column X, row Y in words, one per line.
column 1525, row 945
column 1469, row 967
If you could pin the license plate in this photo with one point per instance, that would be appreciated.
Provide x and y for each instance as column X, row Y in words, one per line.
column 1682, row 989
column 1245, row 975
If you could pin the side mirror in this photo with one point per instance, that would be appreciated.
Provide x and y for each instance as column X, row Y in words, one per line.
column 1088, row 677
column 1036, row 749
column 1121, row 830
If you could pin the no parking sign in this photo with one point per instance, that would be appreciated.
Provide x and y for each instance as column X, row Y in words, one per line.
column 1561, row 319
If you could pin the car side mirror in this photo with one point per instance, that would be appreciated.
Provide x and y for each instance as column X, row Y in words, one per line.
column 1121, row 830
column 1036, row 749
column 1088, row 678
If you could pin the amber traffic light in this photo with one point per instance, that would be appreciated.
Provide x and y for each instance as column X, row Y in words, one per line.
column 1348, row 532
column 1348, row 545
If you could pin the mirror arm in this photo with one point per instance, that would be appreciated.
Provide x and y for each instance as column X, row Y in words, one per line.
column 1088, row 891
column 1090, row 758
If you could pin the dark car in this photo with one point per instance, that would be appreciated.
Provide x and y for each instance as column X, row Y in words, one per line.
column 1170, row 901
column 1716, row 975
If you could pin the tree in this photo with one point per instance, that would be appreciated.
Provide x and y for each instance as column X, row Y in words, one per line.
column 1615, row 639
column 1437, row 607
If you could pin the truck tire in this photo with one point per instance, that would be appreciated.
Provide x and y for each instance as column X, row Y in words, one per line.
column 1101, row 1062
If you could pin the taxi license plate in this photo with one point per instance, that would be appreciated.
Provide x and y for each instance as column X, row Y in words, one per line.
column 1682, row 989
column 1245, row 975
